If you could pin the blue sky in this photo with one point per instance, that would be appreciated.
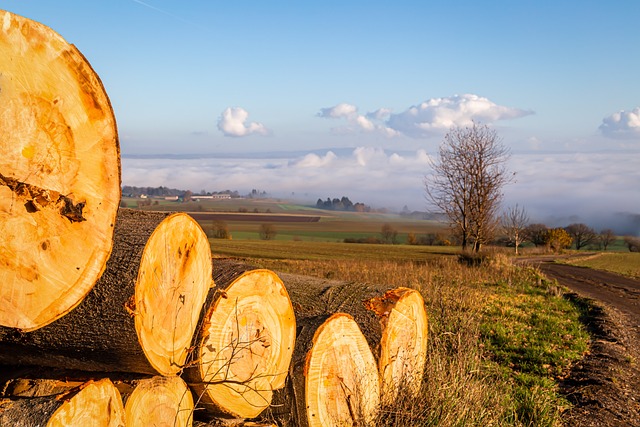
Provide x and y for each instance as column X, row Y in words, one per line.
column 328, row 78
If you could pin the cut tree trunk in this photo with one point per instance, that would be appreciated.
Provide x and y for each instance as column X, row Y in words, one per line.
column 245, row 342
column 403, row 345
column 93, row 403
column 393, row 321
column 159, row 401
column 59, row 175
column 333, row 378
column 141, row 315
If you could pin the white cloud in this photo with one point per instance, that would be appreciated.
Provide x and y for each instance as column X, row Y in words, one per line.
column 312, row 160
column 438, row 115
column 339, row 111
column 379, row 114
column 233, row 122
column 622, row 125
column 432, row 117
column 369, row 123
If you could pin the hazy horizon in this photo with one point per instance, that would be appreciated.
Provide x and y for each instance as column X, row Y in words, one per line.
column 565, row 193
column 350, row 98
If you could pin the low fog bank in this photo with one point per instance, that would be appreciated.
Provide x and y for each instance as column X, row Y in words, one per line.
column 556, row 189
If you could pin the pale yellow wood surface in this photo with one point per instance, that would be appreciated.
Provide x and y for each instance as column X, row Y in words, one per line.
column 59, row 175
column 173, row 282
column 246, row 345
column 159, row 402
column 341, row 376
column 97, row 404
column 403, row 345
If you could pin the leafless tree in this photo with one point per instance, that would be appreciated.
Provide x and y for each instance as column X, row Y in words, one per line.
column 633, row 243
column 514, row 221
column 606, row 237
column 466, row 182
column 581, row 234
column 389, row 234
column 536, row 234
column 267, row 231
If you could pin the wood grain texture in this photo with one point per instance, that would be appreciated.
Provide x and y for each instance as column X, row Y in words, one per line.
column 245, row 342
column 95, row 403
column 59, row 175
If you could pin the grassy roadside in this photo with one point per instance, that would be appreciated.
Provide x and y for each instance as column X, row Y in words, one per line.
column 500, row 336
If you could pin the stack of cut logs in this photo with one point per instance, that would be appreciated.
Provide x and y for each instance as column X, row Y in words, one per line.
column 112, row 317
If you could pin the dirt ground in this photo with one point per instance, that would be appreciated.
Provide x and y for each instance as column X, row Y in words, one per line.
column 604, row 386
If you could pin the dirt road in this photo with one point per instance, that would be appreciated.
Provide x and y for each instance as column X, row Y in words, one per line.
column 605, row 385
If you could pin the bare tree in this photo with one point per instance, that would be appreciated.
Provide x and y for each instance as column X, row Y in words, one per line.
column 389, row 234
column 219, row 230
column 606, row 237
column 466, row 182
column 581, row 234
column 514, row 221
column 633, row 243
column 537, row 234
column 267, row 231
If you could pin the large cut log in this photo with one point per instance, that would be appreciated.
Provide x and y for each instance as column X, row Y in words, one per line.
column 59, row 175
column 403, row 344
column 141, row 315
column 333, row 378
column 394, row 321
column 92, row 404
column 245, row 342
column 159, row 401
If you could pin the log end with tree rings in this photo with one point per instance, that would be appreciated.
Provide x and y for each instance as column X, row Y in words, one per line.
column 341, row 377
column 245, row 344
column 94, row 403
column 159, row 401
column 172, row 286
column 403, row 345
column 97, row 404
column 59, row 175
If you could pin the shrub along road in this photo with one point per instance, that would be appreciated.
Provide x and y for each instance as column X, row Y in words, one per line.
column 605, row 385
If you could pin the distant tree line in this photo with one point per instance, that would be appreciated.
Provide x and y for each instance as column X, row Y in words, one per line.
column 343, row 204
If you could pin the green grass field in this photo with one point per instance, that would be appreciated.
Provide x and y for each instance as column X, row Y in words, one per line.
column 625, row 263
column 309, row 250
column 333, row 226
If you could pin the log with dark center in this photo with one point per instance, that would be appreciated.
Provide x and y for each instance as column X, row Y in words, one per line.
column 59, row 175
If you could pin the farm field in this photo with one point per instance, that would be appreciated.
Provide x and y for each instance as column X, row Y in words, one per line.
column 244, row 217
column 310, row 250
column 625, row 263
